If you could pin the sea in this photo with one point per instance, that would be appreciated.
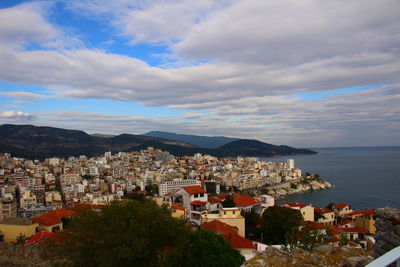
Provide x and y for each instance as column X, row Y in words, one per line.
column 364, row 177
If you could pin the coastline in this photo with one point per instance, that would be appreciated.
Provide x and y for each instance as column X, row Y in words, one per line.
column 296, row 187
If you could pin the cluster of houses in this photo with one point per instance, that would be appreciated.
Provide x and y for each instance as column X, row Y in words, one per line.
column 33, row 194
column 207, row 212
column 340, row 222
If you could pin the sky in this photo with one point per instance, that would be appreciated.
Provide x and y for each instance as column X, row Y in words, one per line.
column 304, row 73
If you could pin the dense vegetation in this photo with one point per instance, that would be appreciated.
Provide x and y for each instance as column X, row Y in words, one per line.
column 138, row 233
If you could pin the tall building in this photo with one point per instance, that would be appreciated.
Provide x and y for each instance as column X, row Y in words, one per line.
column 9, row 207
column 172, row 186
column 290, row 163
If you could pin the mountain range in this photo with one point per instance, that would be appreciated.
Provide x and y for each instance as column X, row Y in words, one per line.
column 197, row 140
column 38, row 142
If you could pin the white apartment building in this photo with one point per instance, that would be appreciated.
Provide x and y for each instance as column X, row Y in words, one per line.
column 290, row 163
column 172, row 186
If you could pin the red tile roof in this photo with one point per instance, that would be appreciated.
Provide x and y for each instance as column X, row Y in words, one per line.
column 219, row 227
column 341, row 206
column 292, row 204
column 39, row 238
column 47, row 220
column 362, row 212
column 195, row 189
column 174, row 206
column 213, row 200
column 222, row 196
column 322, row 210
column 229, row 233
column 53, row 217
column 238, row 241
column 244, row 201
column 198, row 203
column 315, row 225
column 355, row 230
column 345, row 223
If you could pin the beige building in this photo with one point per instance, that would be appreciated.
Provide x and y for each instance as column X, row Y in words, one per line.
column 13, row 227
column 327, row 216
column 28, row 200
column 230, row 216
column 306, row 211
column 9, row 207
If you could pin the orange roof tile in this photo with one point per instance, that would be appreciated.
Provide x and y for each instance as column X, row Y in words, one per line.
column 322, row 210
column 53, row 217
column 244, row 201
column 362, row 212
column 219, row 227
column 174, row 206
column 238, row 241
column 39, row 237
column 47, row 220
column 355, row 230
column 198, row 203
column 315, row 225
column 222, row 196
column 341, row 206
column 195, row 189
column 292, row 204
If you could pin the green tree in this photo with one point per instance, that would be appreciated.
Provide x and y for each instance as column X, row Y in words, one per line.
column 306, row 238
column 209, row 249
column 228, row 202
column 21, row 238
column 344, row 240
column 331, row 206
column 251, row 218
column 128, row 233
column 278, row 222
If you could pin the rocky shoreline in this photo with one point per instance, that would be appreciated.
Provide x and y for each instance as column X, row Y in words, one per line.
column 297, row 187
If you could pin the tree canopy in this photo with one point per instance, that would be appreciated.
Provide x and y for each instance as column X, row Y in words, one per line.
column 279, row 222
column 209, row 249
column 228, row 202
column 135, row 232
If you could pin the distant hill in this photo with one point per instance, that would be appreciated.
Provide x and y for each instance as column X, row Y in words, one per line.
column 197, row 140
column 35, row 142
column 41, row 142
column 256, row 148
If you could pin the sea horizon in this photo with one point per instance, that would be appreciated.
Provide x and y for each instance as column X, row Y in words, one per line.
column 363, row 180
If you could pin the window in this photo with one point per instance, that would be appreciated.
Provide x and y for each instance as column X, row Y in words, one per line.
column 234, row 212
column 196, row 195
column 224, row 212
column 202, row 195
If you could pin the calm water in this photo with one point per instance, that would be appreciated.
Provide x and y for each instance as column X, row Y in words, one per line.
column 363, row 177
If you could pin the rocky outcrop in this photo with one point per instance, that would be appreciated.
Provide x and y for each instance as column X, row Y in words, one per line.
column 297, row 187
column 387, row 235
column 327, row 256
column 16, row 255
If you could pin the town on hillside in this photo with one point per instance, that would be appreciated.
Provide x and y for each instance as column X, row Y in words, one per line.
column 228, row 196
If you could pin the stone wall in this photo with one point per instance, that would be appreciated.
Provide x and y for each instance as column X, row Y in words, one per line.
column 387, row 236
column 16, row 255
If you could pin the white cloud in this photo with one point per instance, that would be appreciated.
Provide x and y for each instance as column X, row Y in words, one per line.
column 23, row 96
column 14, row 116
column 155, row 21
column 26, row 23
column 292, row 32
